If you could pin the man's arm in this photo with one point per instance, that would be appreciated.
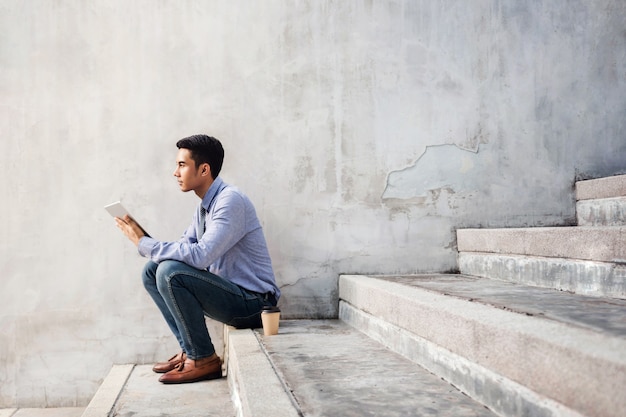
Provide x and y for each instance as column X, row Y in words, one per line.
column 225, row 228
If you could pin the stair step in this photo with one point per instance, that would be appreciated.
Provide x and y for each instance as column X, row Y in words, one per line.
column 601, row 244
column 333, row 369
column 601, row 202
column 598, row 279
column 608, row 187
column 519, row 350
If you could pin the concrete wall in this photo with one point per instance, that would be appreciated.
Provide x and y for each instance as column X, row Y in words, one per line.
column 365, row 131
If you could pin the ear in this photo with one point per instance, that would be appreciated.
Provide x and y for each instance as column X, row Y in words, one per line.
column 206, row 169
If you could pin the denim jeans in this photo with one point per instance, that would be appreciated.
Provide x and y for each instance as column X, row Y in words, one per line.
column 185, row 295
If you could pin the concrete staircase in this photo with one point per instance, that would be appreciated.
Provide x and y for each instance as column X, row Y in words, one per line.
column 534, row 325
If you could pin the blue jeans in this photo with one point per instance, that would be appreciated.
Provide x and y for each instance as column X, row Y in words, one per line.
column 185, row 295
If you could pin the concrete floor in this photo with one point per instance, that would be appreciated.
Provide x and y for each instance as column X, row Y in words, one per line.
column 145, row 396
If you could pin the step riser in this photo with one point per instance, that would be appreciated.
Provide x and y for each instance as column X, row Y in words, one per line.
column 604, row 212
column 598, row 279
column 499, row 394
column 600, row 244
column 582, row 370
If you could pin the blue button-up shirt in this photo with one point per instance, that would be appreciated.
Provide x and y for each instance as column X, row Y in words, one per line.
column 233, row 245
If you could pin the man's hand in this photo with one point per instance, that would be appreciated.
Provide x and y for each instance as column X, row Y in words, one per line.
column 130, row 229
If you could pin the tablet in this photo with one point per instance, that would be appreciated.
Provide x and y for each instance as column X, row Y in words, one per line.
column 117, row 210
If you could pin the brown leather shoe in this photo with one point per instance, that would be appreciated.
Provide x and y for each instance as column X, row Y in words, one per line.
column 172, row 363
column 192, row 371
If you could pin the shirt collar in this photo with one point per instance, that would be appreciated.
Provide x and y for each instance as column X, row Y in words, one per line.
column 211, row 192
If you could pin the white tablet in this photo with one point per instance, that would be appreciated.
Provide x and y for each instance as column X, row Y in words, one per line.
column 117, row 210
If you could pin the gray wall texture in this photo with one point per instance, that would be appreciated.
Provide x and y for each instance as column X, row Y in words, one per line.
column 365, row 131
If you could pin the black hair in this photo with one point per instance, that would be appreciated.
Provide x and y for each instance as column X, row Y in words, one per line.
column 204, row 149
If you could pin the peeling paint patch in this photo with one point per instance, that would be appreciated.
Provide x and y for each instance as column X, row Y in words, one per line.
column 448, row 167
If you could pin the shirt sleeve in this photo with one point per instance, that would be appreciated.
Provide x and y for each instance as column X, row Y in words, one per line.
column 224, row 228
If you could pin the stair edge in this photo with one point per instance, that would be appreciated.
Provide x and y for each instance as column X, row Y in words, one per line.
column 104, row 400
column 256, row 389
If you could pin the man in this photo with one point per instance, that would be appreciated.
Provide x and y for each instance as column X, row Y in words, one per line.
column 220, row 267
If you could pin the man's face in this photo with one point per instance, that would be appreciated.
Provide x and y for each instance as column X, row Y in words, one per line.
column 188, row 176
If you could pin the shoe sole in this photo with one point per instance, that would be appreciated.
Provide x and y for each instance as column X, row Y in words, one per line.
column 214, row 375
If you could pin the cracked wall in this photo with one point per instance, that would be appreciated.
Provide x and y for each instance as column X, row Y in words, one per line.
column 365, row 132
column 439, row 167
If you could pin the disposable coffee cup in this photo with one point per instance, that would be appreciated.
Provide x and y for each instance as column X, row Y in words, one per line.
column 270, row 316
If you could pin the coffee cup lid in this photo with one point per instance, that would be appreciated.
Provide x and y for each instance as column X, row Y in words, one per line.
column 271, row 309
